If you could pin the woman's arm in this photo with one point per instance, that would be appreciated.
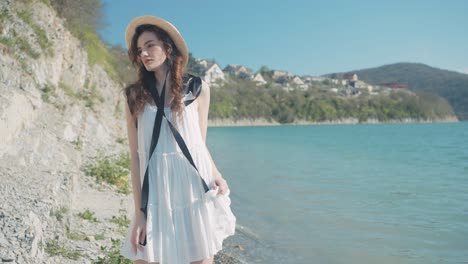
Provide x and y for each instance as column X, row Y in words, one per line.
column 134, row 159
column 203, row 108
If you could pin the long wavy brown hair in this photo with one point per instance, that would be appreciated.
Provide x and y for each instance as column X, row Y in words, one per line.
column 138, row 93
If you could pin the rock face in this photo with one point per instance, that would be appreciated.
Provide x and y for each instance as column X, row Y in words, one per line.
column 48, row 133
column 34, row 86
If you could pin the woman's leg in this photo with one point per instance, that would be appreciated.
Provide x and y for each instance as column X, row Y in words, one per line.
column 204, row 261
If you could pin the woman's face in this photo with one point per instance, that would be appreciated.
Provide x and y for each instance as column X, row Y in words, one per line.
column 151, row 51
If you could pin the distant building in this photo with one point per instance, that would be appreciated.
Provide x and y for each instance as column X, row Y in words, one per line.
column 351, row 77
column 208, row 70
column 277, row 74
column 297, row 81
column 239, row 71
column 358, row 84
column 258, row 78
column 213, row 73
column 204, row 63
column 307, row 79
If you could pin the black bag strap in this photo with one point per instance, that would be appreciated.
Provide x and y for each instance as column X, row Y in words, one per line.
column 159, row 101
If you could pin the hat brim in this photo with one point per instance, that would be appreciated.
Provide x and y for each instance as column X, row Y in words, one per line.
column 162, row 24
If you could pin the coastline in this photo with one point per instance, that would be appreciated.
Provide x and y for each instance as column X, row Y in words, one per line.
column 347, row 121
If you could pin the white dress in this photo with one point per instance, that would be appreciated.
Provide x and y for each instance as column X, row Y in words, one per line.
column 184, row 224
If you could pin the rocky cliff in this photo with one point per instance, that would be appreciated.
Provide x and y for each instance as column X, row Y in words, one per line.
column 56, row 113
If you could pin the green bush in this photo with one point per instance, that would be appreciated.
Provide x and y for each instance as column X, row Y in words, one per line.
column 239, row 99
column 41, row 34
column 59, row 214
column 9, row 42
column 121, row 221
column 4, row 16
column 67, row 89
column 88, row 215
column 56, row 248
column 78, row 143
column 25, row 47
column 90, row 95
column 112, row 169
column 121, row 140
column 48, row 91
column 74, row 235
column 99, row 237
column 112, row 254
column 97, row 51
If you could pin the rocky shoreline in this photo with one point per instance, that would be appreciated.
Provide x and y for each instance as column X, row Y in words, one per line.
column 40, row 222
column 347, row 121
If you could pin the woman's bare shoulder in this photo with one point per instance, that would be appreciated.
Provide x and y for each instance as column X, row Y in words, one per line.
column 204, row 98
column 205, row 90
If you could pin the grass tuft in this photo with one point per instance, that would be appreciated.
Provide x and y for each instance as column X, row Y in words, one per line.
column 88, row 215
column 111, row 169
column 112, row 254
column 55, row 248
column 59, row 214
column 41, row 34
column 48, row 91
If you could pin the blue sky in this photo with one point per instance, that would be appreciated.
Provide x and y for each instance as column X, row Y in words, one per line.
column 309, row 37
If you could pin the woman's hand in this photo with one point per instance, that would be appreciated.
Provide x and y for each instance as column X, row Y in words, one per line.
column 138, row 232
column 222, row 185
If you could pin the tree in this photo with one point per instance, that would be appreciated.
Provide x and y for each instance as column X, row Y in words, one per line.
column 265, row 71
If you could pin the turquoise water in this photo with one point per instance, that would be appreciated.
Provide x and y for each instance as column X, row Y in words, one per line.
column 387, row 193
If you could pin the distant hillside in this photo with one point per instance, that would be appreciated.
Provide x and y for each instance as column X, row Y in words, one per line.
column 420, row 77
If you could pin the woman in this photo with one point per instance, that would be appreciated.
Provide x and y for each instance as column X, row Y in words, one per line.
column 182, row 205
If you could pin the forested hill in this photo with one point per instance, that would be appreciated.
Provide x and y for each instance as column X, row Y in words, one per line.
column 449, row 84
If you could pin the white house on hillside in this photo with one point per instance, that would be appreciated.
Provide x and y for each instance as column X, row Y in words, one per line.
column 213, row 73
column 297, row 81
column 351, row 77
column 208, row 70
column 278, row 74
column 239, row 71
column 258, row 78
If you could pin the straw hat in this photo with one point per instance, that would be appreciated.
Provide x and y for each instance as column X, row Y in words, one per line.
column 162, row 24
